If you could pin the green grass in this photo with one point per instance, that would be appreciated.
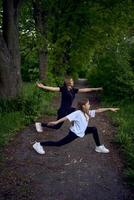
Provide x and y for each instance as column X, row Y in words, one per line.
column 124, row 120
column 10, row 123
column 17, row 113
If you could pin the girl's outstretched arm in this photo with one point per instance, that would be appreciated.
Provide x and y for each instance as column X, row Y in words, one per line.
column 99, row 110
column 58, row 121
column 89, row 89
column 52, row 89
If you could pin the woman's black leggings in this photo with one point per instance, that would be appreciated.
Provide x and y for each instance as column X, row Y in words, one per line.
column 61, row 113
column 72, row 136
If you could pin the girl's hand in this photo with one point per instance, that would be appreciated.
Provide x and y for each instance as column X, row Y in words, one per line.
column 114, row 109
column 40, row 85
column 101, row 88
column 52, row 123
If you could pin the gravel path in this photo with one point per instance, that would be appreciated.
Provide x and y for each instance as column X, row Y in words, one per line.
column 71, row 172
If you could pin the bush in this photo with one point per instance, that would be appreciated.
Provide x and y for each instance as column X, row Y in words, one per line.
column 112, row 71
column 16, row 113
column 28, row 102
column 125, row 136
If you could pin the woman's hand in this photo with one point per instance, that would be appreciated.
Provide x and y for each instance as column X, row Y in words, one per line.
column 100, row 88
column 114, row 109
column 48, row 88
column 40, row 85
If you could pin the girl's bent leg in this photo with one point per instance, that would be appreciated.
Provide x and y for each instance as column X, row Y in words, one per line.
column 94, row 131
column 67, row 139
column 99, row 148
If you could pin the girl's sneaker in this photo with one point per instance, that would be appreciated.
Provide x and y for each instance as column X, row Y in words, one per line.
column 38, row 148
column 101, row 149
column 38, row 127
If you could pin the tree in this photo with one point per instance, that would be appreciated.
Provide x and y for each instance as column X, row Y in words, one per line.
column 40, row 16
column 10, row 75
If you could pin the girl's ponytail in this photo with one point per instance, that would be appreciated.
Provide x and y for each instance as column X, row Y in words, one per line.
column 80, row 106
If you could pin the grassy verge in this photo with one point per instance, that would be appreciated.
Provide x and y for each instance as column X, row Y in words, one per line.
column 17, row 113
column 124, row 119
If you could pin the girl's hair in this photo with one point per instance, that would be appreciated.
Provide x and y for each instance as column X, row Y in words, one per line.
column 81, row 104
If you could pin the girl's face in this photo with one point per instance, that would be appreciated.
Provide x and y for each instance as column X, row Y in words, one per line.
column 86, row 106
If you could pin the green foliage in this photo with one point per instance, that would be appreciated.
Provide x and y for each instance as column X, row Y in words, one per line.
column 29, row 64
column 76, row 32
column 28, row 44
column 16, row 113
column 113, row 72
column 130, row 175
column 125, row 135
column 10, row 123
column 26, row 103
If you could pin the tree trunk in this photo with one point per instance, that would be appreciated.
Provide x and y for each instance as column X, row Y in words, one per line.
column 40, row 16
column 10, row 77
column 42, row 64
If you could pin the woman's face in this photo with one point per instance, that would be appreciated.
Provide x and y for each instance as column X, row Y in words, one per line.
column 69, row 82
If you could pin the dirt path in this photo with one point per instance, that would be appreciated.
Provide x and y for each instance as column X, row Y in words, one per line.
column 72, row 172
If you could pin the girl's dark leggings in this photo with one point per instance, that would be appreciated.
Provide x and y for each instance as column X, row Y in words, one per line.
column 61, row 113
column 72, row 136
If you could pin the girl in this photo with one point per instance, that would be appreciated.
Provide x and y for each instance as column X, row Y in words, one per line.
column 79, row 127
column 68, row 92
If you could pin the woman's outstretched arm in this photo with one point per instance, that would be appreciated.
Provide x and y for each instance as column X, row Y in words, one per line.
column 52, row 89
column 89, row 89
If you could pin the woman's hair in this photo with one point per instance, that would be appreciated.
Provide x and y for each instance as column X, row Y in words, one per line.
column 81, row 104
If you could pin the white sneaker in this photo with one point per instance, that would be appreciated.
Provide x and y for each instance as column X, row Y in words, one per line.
column 38, row 148
column 101, row 149
column 38, row 127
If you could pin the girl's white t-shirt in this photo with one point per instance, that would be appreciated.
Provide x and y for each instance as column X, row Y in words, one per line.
column 79, row 121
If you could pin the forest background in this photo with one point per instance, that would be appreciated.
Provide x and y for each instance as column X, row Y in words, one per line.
column 45, row 40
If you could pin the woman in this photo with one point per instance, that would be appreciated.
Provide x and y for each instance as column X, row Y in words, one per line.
column 68, row 92
column 79, row 127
